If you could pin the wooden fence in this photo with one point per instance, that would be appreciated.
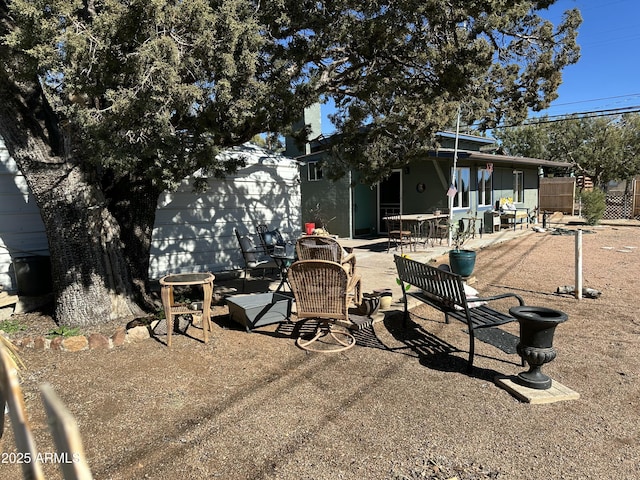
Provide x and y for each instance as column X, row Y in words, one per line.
column 557, row 194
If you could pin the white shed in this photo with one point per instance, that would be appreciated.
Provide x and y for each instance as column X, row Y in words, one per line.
column 192, row 232
column 22, row 234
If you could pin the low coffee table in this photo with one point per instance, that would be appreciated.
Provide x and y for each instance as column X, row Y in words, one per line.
column 171, row 309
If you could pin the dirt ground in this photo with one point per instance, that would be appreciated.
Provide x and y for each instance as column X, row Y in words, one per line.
column 400, row 405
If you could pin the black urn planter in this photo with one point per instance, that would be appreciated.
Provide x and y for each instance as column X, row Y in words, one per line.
column 462, row 262
column 537, row 326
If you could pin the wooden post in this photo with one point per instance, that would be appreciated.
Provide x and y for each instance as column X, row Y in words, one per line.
column 11, row 393
column 578, row 289
column 66, row 436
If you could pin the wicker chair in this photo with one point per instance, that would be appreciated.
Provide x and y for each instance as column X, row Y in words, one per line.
column 321, row 289
column 321, row 247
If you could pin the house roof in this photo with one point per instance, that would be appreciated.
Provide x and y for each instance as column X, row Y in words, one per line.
column 496, row 158
column 253, row 153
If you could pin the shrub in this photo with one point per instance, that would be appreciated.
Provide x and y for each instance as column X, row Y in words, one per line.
column 593, row 205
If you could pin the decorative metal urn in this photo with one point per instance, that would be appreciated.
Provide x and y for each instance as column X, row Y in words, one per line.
column 537, row 326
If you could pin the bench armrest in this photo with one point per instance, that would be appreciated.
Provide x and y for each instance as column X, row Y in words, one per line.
column 497, row 297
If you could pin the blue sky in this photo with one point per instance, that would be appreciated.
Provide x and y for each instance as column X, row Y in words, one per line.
column 607, row 76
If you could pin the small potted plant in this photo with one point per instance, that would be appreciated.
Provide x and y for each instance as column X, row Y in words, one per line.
column 461, row 261
column 320, row 220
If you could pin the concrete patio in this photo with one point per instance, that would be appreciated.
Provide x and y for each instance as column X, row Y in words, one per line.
column 374, row 263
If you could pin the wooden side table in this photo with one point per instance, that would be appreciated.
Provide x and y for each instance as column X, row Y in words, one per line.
column 171, row 309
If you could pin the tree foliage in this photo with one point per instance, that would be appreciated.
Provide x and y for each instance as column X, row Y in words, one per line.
column 400, row 72
column 603, row 148
column 157, row 86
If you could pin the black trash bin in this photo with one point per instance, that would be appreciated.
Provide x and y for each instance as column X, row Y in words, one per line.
column 33, row 275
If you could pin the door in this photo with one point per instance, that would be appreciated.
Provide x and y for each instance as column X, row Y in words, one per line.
column 389, row 198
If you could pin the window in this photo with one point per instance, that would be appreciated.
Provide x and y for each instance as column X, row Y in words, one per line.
column 518, row 186
column 485, row 187
column 462, row 182
column 314, row 170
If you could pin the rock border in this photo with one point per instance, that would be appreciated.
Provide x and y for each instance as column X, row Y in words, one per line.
column 92, row 341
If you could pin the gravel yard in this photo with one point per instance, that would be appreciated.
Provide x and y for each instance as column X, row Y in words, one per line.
column 400, row 405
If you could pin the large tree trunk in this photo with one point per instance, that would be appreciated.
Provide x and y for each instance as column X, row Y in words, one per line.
column 91, row 280
column 133, row 203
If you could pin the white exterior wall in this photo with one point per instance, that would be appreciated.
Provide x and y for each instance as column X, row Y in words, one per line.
column 194, row 232
column 22, row 232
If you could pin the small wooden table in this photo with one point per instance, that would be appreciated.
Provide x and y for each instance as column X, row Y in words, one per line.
column 171, row 309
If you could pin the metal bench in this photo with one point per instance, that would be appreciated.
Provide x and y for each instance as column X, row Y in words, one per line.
column 445, row 291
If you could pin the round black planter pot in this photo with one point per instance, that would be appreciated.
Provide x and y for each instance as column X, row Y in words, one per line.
column 537, row 326
column 462, row 262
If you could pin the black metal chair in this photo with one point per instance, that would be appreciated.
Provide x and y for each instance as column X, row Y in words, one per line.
column 253, row 258
column 269, row 239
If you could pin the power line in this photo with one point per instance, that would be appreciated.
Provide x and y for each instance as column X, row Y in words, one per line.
column 575, row 116
column 595, row 100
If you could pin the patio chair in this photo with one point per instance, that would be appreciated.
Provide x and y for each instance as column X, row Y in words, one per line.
column 397, row 234
column 321, row 290
column 253, row 258
column 269, row 238
column 322, row 247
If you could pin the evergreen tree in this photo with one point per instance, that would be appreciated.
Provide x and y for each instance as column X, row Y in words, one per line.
column 603, row 148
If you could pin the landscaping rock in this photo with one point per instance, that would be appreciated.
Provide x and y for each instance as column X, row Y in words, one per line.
column 98, row 341
column 119, row 337
column 137, row 334
column 75, row 344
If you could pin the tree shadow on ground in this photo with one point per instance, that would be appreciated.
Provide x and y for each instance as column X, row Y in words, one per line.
column 434, row 352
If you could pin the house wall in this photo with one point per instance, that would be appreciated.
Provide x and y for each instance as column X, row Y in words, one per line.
column 434, row 173
column 435, row 177
column 333, row 197
column 195, row 232
column 503, row 185
column 22, row 232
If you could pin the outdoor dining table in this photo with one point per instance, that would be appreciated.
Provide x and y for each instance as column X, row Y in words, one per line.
column 419, row 220
column 167, row 284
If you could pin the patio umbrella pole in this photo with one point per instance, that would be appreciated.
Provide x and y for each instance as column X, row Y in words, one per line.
column 453, row 176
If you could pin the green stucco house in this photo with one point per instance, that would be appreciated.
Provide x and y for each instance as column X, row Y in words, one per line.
column 354, row 209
